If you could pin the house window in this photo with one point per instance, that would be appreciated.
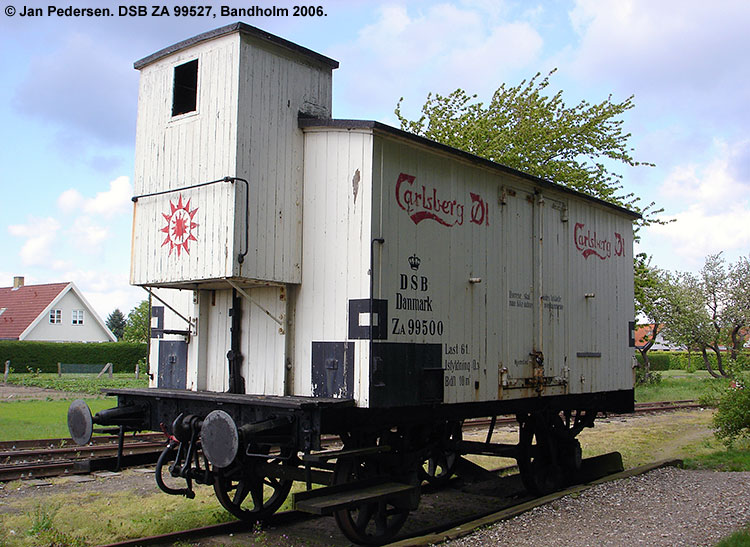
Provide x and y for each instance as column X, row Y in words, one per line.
column 78, row 317
column 55, row 317
column 185, row 90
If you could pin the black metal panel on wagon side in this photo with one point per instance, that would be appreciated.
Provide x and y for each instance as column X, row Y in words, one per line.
column 406, row 374
column 333, row 369
column 172, row 364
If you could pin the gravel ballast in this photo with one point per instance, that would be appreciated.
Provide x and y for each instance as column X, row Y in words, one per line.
column 668, row 506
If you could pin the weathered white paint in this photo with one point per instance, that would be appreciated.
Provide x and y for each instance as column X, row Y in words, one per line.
column 504, row 260
column 336, row 251
column 250, row 93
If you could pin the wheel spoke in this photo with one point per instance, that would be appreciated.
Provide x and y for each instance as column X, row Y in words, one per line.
column 381, row 520
column 241, row 492
column 232, row 488
column 256, row 492
column 364, row 516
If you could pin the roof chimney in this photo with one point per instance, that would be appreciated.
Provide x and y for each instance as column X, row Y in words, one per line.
column 17, row 282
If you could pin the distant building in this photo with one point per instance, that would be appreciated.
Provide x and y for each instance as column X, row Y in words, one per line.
column 643, row 336
column 53, row 312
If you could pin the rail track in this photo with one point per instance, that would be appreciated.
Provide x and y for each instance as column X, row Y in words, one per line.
column 454, row 510
column 44, row 458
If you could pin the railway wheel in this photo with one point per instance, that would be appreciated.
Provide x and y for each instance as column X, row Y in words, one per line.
column 249, row 494
column 370, row 523
column 538, row 460
column 443, row 457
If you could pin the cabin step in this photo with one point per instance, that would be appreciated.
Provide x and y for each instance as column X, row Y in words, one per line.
column 327, row 500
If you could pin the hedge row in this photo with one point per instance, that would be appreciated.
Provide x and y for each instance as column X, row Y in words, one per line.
column 44, row 356
column 680, row 360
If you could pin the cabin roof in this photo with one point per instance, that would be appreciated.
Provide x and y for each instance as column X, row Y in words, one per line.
column 378, row 127
column 241, row 28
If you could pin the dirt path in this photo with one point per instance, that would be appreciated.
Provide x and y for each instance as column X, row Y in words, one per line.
column 13, row 392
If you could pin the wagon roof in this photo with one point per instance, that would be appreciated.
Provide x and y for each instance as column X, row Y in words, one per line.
column 242, row 28
column 392, row 131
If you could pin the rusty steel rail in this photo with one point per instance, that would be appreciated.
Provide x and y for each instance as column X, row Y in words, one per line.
column 601, row 470
column 34, row 463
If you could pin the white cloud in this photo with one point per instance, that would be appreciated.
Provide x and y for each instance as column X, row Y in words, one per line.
column 713, row 186
column 710, row 203
column 114, row 201
column 681, row 54
column 409, row 52
column 87, row 235
column 111, row 202
column 70, row 200
column 40, row 234
column 85, row 87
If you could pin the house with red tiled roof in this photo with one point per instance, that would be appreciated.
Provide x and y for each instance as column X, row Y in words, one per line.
column 643, row 334
column 52, row 312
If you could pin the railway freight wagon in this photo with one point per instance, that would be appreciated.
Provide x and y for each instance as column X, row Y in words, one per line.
column 314, row 276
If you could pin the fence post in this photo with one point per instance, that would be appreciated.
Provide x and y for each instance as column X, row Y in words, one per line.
column 7, row 371
column 111, row 366
column 137, row 371
column 59, row 370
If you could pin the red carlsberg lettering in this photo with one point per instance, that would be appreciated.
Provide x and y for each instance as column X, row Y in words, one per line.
column 423, row 202
column 590, row 243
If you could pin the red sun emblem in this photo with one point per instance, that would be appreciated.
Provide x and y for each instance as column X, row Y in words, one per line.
column 180, row 226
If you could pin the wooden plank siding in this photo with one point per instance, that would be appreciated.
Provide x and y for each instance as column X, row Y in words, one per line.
column 250, row 94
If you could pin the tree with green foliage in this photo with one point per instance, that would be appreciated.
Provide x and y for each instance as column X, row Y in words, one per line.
column 523, row 128
column 737, row 312
column 650, row 294
column 713, row 277
column 139, row 323
column 116, row 323
column 732, row 418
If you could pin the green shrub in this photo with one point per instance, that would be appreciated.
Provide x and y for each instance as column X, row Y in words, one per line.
column 44, row 356
column 641, row 379
column 732, row 418
column 681, row 360
column 660, row 360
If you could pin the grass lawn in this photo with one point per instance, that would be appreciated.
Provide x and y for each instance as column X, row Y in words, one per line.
column 683, row 434
column 680, row 385
column 81, row 383
column 20, row 420
column 46, row 419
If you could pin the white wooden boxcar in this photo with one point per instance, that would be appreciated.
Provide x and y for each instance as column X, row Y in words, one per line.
column 313, row 275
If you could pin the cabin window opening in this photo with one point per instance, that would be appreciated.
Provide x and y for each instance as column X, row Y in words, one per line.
column 185, row 90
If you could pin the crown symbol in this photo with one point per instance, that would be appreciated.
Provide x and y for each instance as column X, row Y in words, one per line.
column 414, row 262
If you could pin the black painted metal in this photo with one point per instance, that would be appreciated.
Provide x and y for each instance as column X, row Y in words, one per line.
column 236, row 381
column 333, row 369
column 411, row 374
column 172, row 363
column 157, row 312
column 379, row 309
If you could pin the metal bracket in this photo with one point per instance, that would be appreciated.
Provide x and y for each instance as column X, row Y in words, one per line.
column 191, row 323
column 279, row 320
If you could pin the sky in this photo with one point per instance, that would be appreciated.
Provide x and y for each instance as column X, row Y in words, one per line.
column 68, row 105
